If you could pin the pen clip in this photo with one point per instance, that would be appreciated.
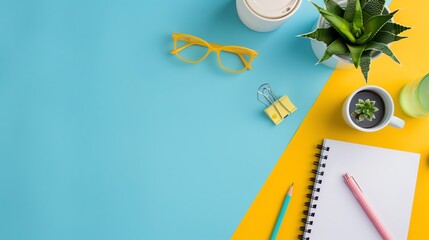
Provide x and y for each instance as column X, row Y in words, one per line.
column 356, row 183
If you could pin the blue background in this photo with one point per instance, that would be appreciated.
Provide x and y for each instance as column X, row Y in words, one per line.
column 105, row 135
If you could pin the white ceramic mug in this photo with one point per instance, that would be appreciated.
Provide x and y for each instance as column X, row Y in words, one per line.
column 266, row 15
column 388, row 117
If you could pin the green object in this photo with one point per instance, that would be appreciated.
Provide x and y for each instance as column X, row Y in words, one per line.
column 414, row 97
column 361, row 30
column 365, row 110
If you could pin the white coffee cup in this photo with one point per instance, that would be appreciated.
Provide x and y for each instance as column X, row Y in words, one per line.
column 266, row 15
column 387, row 119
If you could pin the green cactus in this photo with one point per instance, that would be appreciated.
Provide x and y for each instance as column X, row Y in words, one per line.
column 364, row 110
column 360, row 30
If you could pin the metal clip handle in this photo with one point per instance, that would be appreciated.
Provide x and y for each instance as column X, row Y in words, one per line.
column 266, row 95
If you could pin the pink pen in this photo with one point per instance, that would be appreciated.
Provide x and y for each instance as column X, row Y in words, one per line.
column 357, row 191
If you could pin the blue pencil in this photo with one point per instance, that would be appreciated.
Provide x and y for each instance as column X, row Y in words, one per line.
column 282, row 213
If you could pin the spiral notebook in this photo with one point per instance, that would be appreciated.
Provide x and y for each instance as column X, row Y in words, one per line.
column 387, row 178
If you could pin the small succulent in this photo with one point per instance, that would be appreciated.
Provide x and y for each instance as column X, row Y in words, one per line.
column 365, row 110
column 360, row 30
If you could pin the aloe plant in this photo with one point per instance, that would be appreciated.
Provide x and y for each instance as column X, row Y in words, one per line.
column 365, row 110
column 360, row 30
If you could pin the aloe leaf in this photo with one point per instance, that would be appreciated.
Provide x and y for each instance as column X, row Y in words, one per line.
column 357, row 18
column 374, row 7
column 336, row 47
column 357, row 23
column 386, row 37
column 382, row 48
column 373, row 25
column 363, row 2
column 339, row 24
column 368, row 12
column 394, row 28
column 356, row 52
column 350, row 10
column 333, row 7
column 365, row 16
column 365, row 38
column 365, row 62
column 326, row 35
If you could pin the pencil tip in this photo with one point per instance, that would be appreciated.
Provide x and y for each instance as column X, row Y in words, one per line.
column 289, row 192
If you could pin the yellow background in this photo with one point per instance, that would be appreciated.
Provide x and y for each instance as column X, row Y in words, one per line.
column 325, row 121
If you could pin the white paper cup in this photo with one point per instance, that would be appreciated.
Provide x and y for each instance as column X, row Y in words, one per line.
column 266, row 15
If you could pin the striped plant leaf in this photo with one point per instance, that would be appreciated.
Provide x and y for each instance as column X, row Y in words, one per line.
column 365, row 17
column 363, row 2
column 373, row 25
column 356, row 53
column 350, row 10
column 342, row 26
column 374, row 46
column 386, row 37
column 357, row 23
column 336, row 47
column 333, row 7
column 394, row 28
column 365, row 38
column 365, row 62
column 326, row 35
column 374, row 7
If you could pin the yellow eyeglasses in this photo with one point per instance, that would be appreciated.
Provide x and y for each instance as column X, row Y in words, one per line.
column 192, row 49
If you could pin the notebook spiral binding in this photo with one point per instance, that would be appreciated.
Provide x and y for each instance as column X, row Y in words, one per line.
column 313, row 197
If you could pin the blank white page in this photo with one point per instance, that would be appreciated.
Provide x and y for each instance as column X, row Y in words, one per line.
column 387, row 178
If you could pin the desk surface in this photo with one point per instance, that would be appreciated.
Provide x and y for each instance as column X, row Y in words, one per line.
column 105, row 135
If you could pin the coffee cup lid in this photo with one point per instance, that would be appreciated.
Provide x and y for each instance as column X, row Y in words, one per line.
column 272, row 8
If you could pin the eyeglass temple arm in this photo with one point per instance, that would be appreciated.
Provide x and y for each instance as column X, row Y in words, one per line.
column 239, row 52
column 174, row 51
column 191, row 41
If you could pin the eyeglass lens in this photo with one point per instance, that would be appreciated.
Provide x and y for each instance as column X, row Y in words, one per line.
column 232, row 61
column 191, row 51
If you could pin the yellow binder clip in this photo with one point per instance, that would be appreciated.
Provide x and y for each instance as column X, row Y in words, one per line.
column 277, row 108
